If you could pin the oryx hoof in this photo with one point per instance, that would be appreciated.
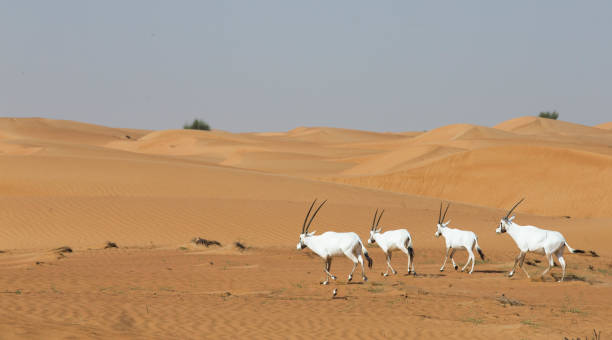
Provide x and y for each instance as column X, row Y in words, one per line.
column 325, row 283
column 470, row 273
column 510, row 274
column 385, row 274
column 394, row 272
column 350, row 278
column 441, row 269
column 457, row 267
column 365, row 279
column 333, row 277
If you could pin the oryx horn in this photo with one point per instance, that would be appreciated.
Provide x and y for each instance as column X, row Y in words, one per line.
column 313, row 216
column 442, row 217
column 379, row 217
column 514, row 207
column 374, row 220
column 306, row 218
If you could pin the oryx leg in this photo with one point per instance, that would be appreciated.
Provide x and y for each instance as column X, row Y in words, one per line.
column 356, row 259
column 559, row 255
column 410, row 259
column 551, row 263
column 445, row 258
column 327, row 273
column 363, row 276
column 389, row 265
column 470, row 258
column 350, row 277
column 522, row 260
column 453, row 259
column 516, row 260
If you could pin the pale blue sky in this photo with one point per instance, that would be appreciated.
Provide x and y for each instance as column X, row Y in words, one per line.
column 276, row 65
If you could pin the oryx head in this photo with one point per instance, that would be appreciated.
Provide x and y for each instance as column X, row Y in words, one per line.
column 505, row 221
column 441, row 224
column 305, row 233
column 373, row 228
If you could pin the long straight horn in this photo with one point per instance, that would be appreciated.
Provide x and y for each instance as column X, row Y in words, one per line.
column 445, row 211
column 379, row 216
column 313, row 215
column 514, row 207
column 440, row 213
column 374, row 220
column 306, row 218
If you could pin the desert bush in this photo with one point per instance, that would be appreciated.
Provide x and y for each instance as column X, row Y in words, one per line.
column 197, row 124
column 549, row 115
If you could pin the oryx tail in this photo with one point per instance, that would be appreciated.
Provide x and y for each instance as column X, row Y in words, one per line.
column 574, row 251
column 410, row 249
column 366, row 255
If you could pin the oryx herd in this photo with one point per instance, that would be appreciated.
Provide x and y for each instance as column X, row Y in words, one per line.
column 527, row 238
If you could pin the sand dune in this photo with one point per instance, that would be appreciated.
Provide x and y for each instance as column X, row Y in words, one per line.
column 71, row 184
column 557, row 182
column 458, row 132
column 606, row 126
column 40, row 129
column 543, row 126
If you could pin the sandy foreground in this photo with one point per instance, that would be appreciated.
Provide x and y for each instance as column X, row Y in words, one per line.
column 78, row 185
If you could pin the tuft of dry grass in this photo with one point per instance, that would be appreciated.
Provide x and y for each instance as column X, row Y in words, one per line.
column 240, row 246
column 205, row 242
column 504, row 300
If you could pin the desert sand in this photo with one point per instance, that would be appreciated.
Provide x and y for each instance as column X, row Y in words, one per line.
column 78, row 185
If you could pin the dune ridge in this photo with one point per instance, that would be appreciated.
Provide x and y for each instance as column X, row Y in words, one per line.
column 151, row 192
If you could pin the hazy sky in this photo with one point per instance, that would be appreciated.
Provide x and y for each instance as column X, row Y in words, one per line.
column 276, row 65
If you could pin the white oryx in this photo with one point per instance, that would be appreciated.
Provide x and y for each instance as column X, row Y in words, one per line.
column 533, row 239
column 330, row 244
column 392, row 240
column 457, row 239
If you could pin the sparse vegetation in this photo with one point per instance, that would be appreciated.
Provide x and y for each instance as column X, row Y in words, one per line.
column 376, row 289
column 110, row 244
column 596, row 336
column 529, row 323
column 240, row 246
column 593, row 253
column 549, row 115
column 475, row 321
column 504, row 300
column 572, row 310
column 197, row 124
column 61, row 251
column 205, row 242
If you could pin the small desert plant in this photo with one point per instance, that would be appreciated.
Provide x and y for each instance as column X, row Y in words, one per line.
column 197, row 124
column 475, row 321
column 596, row 336
column 549, row 115
column 529, row 323
column 205, row 242
column 240, row 246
